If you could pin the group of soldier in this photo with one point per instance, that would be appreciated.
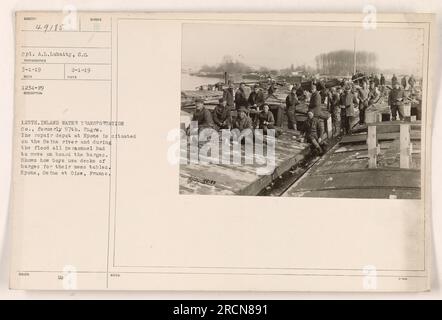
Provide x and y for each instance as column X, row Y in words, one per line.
column 252, row 111
column 341, row 102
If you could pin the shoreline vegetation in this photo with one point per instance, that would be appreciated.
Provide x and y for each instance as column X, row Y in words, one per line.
column 339, row 63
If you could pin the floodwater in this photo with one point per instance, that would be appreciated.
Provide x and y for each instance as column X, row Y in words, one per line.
column 189, row 82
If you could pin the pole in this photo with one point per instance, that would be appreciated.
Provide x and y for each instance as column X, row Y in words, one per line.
column 354, row 53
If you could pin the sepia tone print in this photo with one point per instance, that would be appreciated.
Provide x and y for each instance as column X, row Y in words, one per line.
column 301, row 111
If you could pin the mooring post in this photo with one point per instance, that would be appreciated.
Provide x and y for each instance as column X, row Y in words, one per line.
column 405, row 146
column 372, row 146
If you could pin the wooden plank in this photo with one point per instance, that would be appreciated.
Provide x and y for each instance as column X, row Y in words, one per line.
column 393, row 123
column 372, row 147
column 350, row 148
column 374, row 193
column 242, row 179
column 405, row 147
column 371, row 178
column 361, row 138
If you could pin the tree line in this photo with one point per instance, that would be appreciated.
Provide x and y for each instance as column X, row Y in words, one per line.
column 341, row 62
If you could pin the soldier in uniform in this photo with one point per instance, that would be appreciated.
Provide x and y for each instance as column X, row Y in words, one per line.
column 382, row 80
column 271, row 90
column 243, row 121
column 300, row 92
column 240, row 97
column 404, row 82
column 291, row 101
column 393, row 79
column 315, row 101
column 395, row 100
column 221, row 115
column 376, row 80
column 334, row 102
column 411, row 82
column 363, row 101
column 228, row 95
column 349, row 101
column 267, row 121
column 314, row 132
column 254, row 102
column 253, row 97
column 374, row 95
column 202, row 116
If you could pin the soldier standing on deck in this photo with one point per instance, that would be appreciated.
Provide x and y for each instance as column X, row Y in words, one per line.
column 253, row 97
column 228, row 95
column 411, row 82
column 382, row 80
column 253, row 103
column 349, row 100
column 363, row 102
column 291, row 101
column 334, row 102
column 404, row 82
column 315, row 101
column 395, row 101
column 374, row 95
column 240, row 97
column 376, row 80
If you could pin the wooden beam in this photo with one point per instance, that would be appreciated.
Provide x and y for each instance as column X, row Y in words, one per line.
column 372, row 147
column 393, row 123
column 405, row 146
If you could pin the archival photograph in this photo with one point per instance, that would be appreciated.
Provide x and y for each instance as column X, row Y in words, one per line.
column 301, row 111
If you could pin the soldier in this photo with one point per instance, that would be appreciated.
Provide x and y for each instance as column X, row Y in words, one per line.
column 260, row 99
column 404, row 82
column 243, row 121
column 315, row 101
column 411, row 82
column 300, row 92
column 395, row 101
column 240, row 97
column 382, row 80
column 253, row 97
column 313, row 132
column 374, row 95
column 334, row 101
column 254, row 101
column 271, row 90
column 376, row 80
column 363, row 101
column 267, row 121
column 228, row 95
column 202, row 116
column 393, row 79
column 291, row 101
column 349, row 101
column 221, row 115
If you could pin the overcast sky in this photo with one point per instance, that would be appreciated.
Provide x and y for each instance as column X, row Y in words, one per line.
column 280, row 46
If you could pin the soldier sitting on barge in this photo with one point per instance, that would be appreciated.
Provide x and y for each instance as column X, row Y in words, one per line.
column 314, row 132
column 267, row 121
column 202, row 116
column 222, row 116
